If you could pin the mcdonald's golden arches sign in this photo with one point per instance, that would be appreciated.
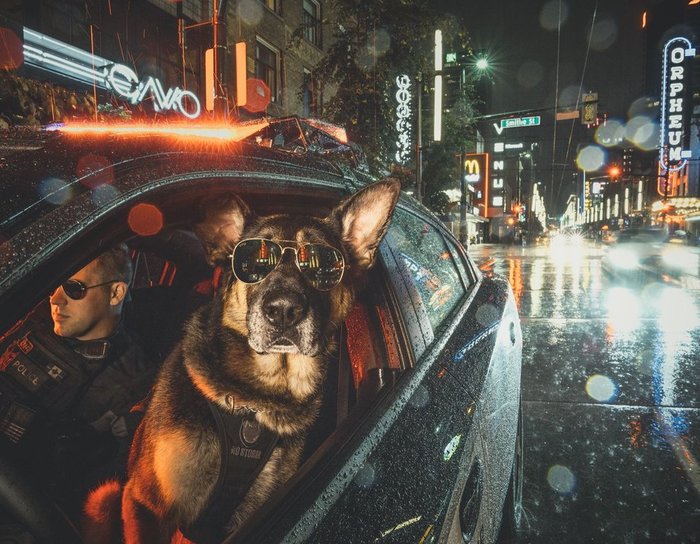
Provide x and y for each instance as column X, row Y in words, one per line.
column 475, row 167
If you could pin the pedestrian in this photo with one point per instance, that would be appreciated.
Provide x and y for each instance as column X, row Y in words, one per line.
column 69, row 382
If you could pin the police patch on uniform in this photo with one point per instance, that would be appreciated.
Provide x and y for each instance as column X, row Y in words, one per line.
column 56, row 372
column 26, row 373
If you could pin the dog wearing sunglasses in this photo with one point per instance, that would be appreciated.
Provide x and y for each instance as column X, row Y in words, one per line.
column 260, row 348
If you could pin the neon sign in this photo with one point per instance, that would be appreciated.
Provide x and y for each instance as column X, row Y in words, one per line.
column 123, row 81
column 55, row 56
column 674, row 106
column 403, row 118
column 475, row 167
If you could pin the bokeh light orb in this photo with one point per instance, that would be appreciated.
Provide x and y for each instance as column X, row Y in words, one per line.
column 591, row 158
column 553, row 13
column 643, row 132
column 611, row 133
column 530, row 74
column 561, row 479
column 604, row 34
column 94, row 170
column 381, row 41
column 250, row 11
column 145, row 219
column 568, row 95
column 487, row 314
column 601, row 388
column 103, row 194
column 55, row 190
column 11, row 52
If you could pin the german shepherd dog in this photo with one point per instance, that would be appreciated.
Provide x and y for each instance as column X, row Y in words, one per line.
column 261, row 346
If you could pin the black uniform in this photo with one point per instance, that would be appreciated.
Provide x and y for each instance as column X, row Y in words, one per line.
column 58, row 400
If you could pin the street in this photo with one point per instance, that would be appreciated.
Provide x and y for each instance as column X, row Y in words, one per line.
column 610, row 399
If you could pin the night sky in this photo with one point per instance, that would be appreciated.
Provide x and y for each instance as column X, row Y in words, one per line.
column 520, row 38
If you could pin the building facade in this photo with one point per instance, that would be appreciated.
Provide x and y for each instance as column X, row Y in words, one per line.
column 147, row 58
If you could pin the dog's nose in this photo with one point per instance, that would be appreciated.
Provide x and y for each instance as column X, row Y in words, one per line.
column 284, row 310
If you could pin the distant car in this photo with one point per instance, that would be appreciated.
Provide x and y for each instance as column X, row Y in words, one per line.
column 420, row 437
column 681, row 254
column 635, row 253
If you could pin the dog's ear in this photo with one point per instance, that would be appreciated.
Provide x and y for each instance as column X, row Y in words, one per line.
column 364, row 218
column 221, row 224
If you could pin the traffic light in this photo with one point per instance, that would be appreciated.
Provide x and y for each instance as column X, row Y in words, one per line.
column 614, row 173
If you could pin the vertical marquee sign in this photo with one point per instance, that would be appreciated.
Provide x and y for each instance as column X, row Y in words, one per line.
column 403, row 119
column 675, row 104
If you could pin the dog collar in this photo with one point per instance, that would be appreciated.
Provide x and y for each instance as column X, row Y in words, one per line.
column 230, row 402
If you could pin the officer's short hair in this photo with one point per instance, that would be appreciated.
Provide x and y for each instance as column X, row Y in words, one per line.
column 115, row 264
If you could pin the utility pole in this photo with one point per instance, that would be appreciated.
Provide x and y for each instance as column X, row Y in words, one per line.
column 219, row 31
column 462, row 200
column 419, row 140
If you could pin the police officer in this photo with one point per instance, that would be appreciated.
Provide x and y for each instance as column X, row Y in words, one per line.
column 68, row 385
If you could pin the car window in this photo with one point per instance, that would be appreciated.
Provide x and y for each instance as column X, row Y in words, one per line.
column 427, row 267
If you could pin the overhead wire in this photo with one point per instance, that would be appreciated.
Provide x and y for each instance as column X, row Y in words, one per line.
column 578, row 97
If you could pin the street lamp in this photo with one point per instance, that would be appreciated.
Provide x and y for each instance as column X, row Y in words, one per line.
column 482, row 64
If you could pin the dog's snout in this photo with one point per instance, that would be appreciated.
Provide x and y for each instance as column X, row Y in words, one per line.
column 285, row 309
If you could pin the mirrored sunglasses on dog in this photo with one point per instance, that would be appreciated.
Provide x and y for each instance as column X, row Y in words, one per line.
column 76, row 289
column 254, row 258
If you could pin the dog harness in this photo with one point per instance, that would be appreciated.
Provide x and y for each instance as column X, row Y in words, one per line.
column 246, row 447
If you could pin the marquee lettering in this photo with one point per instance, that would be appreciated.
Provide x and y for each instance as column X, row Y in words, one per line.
column 674, row 117
column 403, row 116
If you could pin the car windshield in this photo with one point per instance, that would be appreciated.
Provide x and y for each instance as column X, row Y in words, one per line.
column 528, row 327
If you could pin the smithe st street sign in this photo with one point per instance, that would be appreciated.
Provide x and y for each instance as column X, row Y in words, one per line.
column 520, row 122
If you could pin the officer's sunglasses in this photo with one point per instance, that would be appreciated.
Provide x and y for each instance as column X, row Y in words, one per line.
column 254, row 258
column 76, row 289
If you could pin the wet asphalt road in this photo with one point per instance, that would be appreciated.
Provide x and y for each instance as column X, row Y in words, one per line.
column 611, row 398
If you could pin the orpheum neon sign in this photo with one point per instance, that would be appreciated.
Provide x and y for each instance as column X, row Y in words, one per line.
column 55, row 56
column 674, row 104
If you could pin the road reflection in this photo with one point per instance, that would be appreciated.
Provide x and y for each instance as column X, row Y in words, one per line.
column 674, row 316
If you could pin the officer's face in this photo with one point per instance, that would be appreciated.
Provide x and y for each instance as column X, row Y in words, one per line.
column 88, row 318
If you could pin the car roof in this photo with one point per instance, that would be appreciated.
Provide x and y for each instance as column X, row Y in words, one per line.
column 39, row 169
column 54, row 183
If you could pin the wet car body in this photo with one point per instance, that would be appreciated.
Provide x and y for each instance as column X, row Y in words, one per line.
column 419, row 437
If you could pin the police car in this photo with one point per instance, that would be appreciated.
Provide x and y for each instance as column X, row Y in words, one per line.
column 421, row 438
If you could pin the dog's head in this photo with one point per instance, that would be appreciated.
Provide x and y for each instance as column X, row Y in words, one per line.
column 289, row 281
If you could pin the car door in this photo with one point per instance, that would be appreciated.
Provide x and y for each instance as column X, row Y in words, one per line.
column 394, row 475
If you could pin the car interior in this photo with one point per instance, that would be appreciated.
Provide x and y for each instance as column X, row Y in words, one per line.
column 172, row 279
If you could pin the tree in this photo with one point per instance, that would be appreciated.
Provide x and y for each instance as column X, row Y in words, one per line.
column 373, row 42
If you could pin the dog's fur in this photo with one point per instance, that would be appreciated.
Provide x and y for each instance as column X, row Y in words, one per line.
column 237, row 355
